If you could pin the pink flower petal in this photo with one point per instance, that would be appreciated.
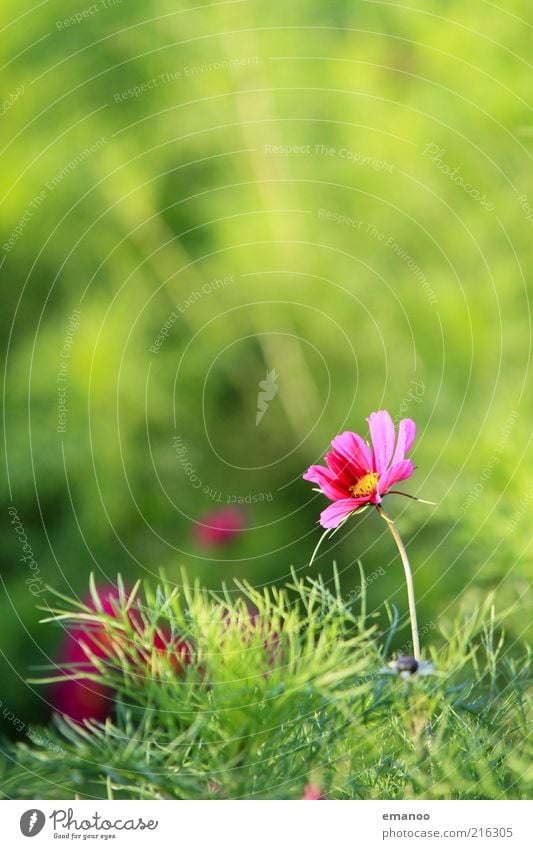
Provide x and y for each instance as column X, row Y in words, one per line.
column 353, row 449
column 398, row 472
column 406, row 436
column 327, row 481
column 340, row 468
column 82, row 698
column 383, row 439
column 333, row 515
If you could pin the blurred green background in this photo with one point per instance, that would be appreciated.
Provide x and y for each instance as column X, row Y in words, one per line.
column 194, row 197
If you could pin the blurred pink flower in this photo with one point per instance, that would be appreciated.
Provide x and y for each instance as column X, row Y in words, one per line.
column 219, row 527
column 358, row 474
column 81, row 698
column 312, row 793
column 178, row 651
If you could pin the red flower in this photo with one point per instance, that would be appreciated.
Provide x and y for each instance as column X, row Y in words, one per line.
column 82, row 698
column 312, row 792
column 220, row 526
column 178, row 651
column 358, row 474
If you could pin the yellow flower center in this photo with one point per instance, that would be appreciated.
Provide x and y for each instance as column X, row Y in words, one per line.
column 365, row 485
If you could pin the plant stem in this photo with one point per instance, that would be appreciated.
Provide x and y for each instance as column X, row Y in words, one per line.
column 408, row 578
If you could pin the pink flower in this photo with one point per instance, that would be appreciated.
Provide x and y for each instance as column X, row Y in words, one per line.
column 358, row 474
column 178, row 652
column 82, row 698
column 220, row 526
column 312, row 793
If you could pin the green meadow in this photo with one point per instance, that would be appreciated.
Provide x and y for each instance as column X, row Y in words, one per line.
column 336, row 199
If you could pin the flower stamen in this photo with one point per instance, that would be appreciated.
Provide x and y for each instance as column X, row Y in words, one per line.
column 365, row 485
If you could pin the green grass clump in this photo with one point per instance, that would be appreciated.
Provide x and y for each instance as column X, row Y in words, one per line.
column 285, row 687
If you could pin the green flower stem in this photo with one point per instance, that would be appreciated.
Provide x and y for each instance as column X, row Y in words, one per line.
column 408, row 578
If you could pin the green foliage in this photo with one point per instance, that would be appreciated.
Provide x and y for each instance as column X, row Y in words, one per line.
column 285, row 687
column 182, row 191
